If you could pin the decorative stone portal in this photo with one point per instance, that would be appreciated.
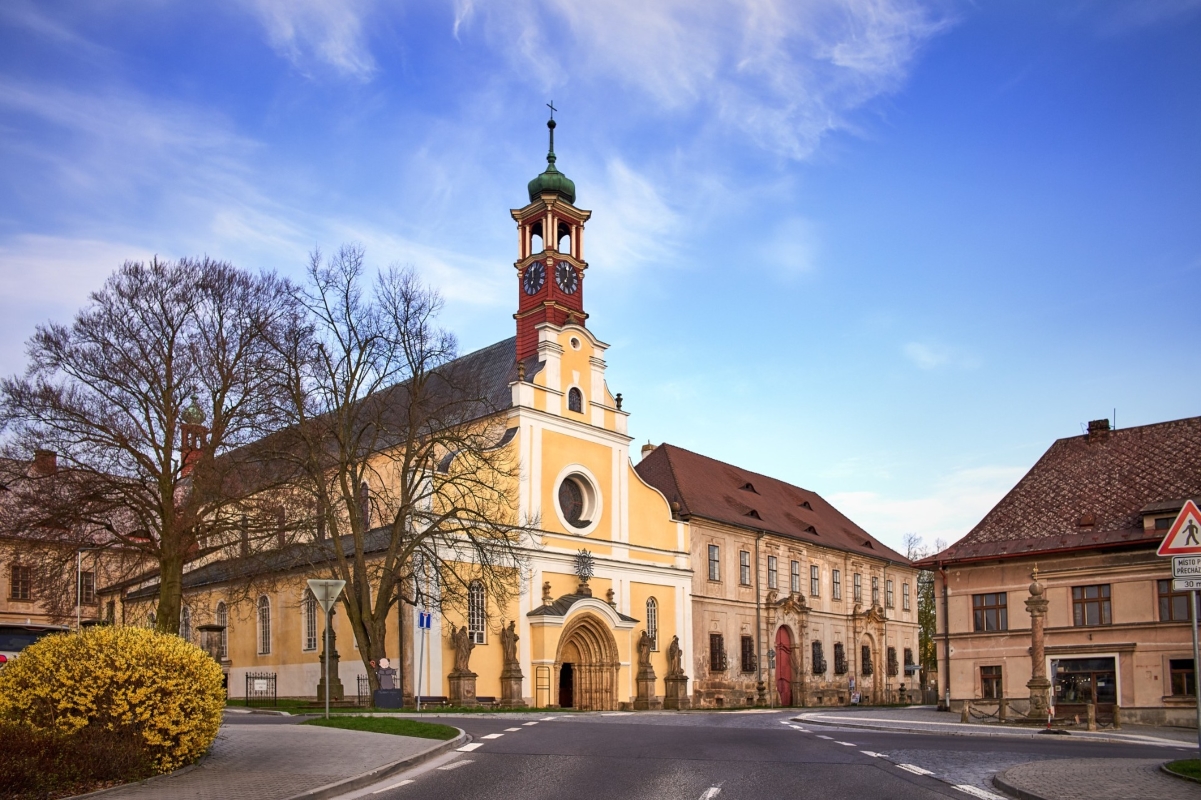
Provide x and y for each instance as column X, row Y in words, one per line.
column 587, row 665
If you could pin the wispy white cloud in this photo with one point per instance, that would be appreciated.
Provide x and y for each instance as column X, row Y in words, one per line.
column 634, row 225
column 951, row 508
column 320, row 33
column 783, row 73
column 930, row 356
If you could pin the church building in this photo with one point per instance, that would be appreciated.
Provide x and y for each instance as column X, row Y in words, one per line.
column 619, row 601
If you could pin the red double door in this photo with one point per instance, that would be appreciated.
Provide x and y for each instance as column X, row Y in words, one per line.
column 784, row 666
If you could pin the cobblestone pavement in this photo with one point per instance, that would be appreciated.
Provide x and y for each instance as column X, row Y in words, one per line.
column 273, row 762
column 1097, row 779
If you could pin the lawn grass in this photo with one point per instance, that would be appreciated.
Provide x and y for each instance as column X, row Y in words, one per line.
column 392, row 725
column 1189, row 767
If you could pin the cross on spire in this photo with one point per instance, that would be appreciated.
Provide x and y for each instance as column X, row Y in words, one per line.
column 551, row 106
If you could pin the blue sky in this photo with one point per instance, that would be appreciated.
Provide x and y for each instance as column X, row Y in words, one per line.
column 888, row 250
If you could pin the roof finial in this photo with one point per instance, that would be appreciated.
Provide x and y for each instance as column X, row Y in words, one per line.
column 550, row 156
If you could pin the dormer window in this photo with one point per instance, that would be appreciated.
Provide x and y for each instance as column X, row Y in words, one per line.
column 575, row 400
column 747, row 487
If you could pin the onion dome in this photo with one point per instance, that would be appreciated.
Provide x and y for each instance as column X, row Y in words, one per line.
column 192, row 415
column 551, row 180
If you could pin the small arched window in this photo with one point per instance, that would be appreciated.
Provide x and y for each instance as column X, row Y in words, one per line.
column 223, row 621
column 475, row 611
column 652, row 622
column 575, row 400
column 264, row 609
column 309, row 612
column 185, row 624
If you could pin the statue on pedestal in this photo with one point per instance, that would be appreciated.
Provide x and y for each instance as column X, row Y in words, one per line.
column 510, row 676
column 675, row 659
column 463, row 643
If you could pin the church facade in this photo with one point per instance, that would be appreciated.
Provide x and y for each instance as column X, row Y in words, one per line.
column 617, row 604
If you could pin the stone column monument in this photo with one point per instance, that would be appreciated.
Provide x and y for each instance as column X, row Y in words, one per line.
column 645, row 698
column 1039, row 686
column 676, row 682
column 335, row 683
column 461, row 678
column 510, row 676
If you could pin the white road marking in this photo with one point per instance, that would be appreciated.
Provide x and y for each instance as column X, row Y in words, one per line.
column 546, row 719
column 916, row 770
column 492, row 736
column 457, row 764
column 827, row 738
column 405, row 782
column 510, row 730
column 467, row 748
column 873, row 754
column 710, row 793
column 617, row 714
column 530, row 723
column 976, row 791
column 847, row 744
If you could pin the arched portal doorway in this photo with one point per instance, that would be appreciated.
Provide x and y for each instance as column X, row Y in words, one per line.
column 784, row 665
column 587, row 666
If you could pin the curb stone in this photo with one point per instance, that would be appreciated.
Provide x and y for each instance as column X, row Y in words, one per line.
column 999, row 781
column 380, row 773
column 1164, row 768
column 1017, row 734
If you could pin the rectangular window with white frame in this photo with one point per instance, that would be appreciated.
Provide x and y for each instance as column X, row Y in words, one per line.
column 815, row 580
column 714, row 562
column 795, row 586
column 772, row 577
column 904, row 596
column 836, row 584
column 744, row 567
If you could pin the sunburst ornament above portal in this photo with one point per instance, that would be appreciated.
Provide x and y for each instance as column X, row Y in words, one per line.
column 584, row 565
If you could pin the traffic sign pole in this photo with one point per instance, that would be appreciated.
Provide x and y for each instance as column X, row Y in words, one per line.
column 1196, row 661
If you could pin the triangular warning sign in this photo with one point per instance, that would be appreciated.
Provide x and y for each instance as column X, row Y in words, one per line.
column 1184, row 537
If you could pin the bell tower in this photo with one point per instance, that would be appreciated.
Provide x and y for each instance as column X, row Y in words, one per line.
column 550, row 254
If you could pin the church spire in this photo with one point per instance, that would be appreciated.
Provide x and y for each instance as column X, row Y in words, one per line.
column 551, row 180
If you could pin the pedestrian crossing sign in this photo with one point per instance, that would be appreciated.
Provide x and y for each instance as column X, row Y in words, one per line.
column 1184, row 537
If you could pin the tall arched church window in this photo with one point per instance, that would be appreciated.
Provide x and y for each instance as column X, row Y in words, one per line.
column 309, row 612
column 223, row 620
column 264, row 610
column 575, row 400
column 185, row 624
column 475, row 611
column 652, row 621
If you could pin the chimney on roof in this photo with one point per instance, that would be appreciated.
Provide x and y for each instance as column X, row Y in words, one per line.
column 1098, row 430
column 647, row 449
column 45, row 462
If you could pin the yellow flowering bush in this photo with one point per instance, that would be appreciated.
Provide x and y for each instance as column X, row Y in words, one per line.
column 154, row 686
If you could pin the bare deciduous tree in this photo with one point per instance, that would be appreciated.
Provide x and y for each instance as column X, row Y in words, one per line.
column 401, row 445
column 144, row 398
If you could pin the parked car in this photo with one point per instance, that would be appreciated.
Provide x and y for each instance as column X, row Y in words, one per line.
column 15, row 638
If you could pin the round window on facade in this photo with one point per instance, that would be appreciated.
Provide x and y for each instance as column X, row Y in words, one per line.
column 577, row 501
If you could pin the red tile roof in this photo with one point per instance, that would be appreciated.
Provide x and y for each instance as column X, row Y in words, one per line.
column 1090, row 492
column 706, row 487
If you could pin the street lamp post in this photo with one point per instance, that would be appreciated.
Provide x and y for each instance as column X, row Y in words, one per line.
column 326, row 592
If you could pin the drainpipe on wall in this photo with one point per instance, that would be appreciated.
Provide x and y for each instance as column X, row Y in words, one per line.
column 946, row 640
column 760, row 686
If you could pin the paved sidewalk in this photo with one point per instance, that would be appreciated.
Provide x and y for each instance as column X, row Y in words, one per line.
column 927, row 719
column 1095, row 779
column 276, row 762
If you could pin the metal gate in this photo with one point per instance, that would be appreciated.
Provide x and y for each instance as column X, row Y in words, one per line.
column 260, row 689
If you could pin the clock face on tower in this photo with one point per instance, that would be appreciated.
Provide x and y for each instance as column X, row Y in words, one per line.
column 534, row 278
column 566, row 277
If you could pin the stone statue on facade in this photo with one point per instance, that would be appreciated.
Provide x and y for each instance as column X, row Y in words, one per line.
column 675, row 659
column 463, row 643
column 510, row 674
column 508, row 644
column 644, row 655
column 645, row 682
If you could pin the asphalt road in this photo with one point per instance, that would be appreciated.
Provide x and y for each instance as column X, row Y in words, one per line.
column 720, row 756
